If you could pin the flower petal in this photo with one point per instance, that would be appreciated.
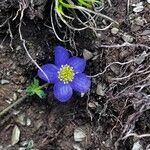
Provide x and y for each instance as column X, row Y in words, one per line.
column 77, row 63
column 50, row 71
column 81, row 83
column 62, row 92
column 61, row 56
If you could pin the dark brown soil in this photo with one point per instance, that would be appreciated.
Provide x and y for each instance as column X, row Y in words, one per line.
column 107, row 118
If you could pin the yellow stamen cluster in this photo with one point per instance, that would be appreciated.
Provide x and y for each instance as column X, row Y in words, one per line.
column 66, row 74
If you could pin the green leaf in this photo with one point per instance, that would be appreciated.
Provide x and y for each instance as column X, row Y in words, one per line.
column 85, row 3
column 35, row 89
column 41, row 93
column 66, row 5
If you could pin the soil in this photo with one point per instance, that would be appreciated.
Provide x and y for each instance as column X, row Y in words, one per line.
column 105, row 116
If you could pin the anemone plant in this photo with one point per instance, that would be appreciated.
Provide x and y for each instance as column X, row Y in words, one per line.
column 67, row 75
column 83, row 12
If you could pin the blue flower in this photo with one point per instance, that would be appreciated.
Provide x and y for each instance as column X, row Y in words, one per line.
column 67, row 75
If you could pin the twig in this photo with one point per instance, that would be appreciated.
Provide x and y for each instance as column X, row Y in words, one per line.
column 125, row 44
column 136, row 135
column 20, row 100
column 23, row 7
column 11, row 35
column 119, row 63
column 1, row 25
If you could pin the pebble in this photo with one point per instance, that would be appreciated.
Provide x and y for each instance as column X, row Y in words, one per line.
column 3, row 81
column 139, row 21
column 138, row 7
column 28, row 123
column 23, row 143
column 100, row 89
column 15, row 135
column 77, row 147
column 10, row 99
column 21, row 148
column 145, row 32
column 148, row 1
column 137, row 3
column 14, row 96
column 137, row 146
column 9, row 102
column 38, row 124
column 135, row 27
column 21, row 119
column 92, row 104
column 107, row 143
column 87, row 54
column 99, row 35
column 79, row 135
column 114, row 30
column 1, row 146
column 82, row 94
column 18, row 48
column 124, row 53
column 15, row 112
column 19, row 91
column 127, row 38
column 141, row 58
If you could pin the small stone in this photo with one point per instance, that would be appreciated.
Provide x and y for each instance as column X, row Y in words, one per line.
column 3, row 81
column 139, row 21
column 136, row 3
column 100, row 89
column 38, row 124
column 138, row 7
column 15, row 135
column 21, row 148
column 15, row 112
column 21, row 119
column 82, row 94
column 28, row 123
column 141, row 58
column 10, row 99
column 19, row 91
column 1, row 46
column 14, row 96
column 87, row 54
column 24, row 143
column 99, row 35
column 77, row 147
column 127, row 38
column 124, row 53
column 18, row 48
column 92, row 104
column 107, row 143
column 145, row 32
column 137, row 146
column 1, row 146
column 135, row 27
column 9, row 102
column 114, row 30
column 79, row 135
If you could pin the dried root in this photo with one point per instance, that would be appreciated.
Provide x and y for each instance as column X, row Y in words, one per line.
column 130, row 86
column 85, row 18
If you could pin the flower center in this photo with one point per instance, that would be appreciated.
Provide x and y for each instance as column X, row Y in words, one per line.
column 66, row 73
